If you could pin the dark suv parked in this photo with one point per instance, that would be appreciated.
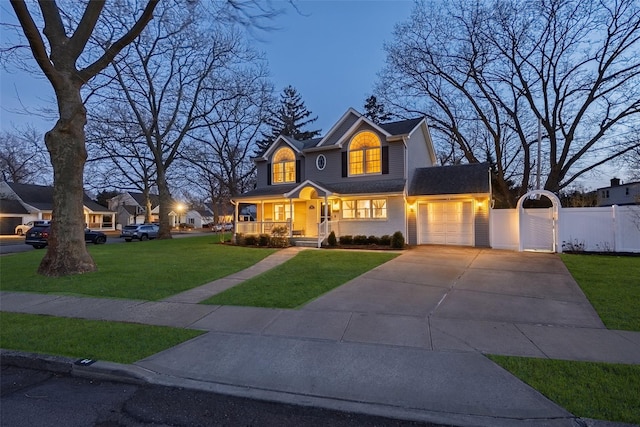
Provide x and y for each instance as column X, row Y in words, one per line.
column 38, row 236
column 140, row 232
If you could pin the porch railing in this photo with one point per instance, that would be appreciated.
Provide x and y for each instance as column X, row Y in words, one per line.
column 324, row 231
column 260, row 227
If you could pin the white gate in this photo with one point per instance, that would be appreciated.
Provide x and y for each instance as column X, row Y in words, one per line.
column 538, row 227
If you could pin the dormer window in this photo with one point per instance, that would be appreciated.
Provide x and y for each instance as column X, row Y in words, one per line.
column 365, row 154
column 284, row 166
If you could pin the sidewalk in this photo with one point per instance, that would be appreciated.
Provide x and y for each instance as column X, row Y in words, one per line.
column 426, row 364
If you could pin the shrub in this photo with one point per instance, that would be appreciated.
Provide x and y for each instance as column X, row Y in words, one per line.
column 240, row 239
column 250, row 240
column 264, row 240
column 331, row 240
column 279, row 237
column 373, row 240
column 385, row 240
column 397, row 240
column 360, row 239
column 573, row 246
column 346, row 240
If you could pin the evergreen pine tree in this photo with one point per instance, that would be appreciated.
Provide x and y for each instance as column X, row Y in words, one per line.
column 288, row 118
column 375, row 111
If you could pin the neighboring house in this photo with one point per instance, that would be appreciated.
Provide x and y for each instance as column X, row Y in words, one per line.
column 21, row 203
column 619, row 194
column 197, row 217
column 367, row 179
column 130, row 208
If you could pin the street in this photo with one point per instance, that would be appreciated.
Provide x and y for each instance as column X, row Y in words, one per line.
column 38, row 398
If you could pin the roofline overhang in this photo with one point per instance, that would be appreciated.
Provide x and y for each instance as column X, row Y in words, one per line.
column 308, row 183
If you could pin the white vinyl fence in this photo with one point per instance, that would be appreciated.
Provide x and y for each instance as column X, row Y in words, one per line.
column 603, row 229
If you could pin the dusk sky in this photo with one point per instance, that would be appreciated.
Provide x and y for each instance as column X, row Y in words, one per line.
column 330, row 51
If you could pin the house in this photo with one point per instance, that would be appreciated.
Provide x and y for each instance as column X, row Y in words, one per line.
column 197, row 217
column 21, row 203
column 619, row 194
column 364, row 178
column 130, row 208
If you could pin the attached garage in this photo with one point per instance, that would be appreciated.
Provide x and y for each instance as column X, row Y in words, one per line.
column 449, row 205
column 446, row 223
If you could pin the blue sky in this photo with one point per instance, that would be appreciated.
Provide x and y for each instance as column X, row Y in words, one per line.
column 330, row 51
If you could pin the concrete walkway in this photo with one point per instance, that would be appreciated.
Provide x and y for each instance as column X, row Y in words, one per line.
column 405, row 339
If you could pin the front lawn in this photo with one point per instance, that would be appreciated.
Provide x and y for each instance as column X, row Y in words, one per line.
column 590, row 390
column 612, row 285
column 303, row 278
column 150, row 270
column 91, row 339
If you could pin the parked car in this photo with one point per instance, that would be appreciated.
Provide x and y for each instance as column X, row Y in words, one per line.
column 38, row 236
column 222, row 227
column 140, row 232
column 23, row 228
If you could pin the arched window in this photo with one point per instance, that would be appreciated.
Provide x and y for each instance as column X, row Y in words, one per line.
column 284, row 166
column 365, row 154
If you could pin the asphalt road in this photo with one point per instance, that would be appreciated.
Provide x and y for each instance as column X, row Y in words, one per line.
column 36, row 398
column 13, row 244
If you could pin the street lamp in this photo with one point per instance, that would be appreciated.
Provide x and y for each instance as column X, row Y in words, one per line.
column 179, row 209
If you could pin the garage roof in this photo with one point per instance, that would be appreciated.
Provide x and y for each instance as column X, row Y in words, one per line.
column 456, row 179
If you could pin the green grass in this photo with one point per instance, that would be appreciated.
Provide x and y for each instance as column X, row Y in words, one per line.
column 149, row 270
column 301, row 279
column 612, row 285
column 586, row 389
column 92, row 339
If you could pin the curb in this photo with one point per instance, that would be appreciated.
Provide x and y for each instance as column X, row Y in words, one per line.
column 131, row 374
column 84, row 368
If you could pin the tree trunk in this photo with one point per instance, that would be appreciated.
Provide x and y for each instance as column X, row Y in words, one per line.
column 165, row 206
column 67, row 253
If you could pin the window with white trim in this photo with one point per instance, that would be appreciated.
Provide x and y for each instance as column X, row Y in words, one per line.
column 282, row 211
column 283, row 168
column 364, row 209
column 365, row 154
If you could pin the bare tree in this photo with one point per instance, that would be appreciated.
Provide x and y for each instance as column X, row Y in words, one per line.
column 171, row 80
column 24, row 158
column 219, row 155
column 61, row 60
column 486, row 73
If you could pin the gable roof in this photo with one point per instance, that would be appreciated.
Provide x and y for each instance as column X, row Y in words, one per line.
column 139, row 198
column 402, row 127
column 38, row 196
column 456, row 179
column 390, row 129
column 12, row 207
column 41, row 197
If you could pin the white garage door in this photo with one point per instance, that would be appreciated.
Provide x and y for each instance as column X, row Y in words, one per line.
column 445, row 223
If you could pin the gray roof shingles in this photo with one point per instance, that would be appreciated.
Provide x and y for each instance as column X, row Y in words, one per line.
column 401, row 127
column 456, row 179
column 12, row 207
column 41, row 197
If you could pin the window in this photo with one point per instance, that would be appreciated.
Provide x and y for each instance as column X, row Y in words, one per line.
column 284, row 166
column 365, row 154
column 282, row 212
column 321, row 162
column 364, row 208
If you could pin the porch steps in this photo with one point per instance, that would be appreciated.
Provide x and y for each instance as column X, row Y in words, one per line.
column 307, row 242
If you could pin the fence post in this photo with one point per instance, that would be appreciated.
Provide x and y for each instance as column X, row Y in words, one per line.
column 615, row 227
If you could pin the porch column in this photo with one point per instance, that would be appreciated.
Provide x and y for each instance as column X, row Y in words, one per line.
column 261, row 216
column 235, row 218
column 326, row 215
column 290, row 217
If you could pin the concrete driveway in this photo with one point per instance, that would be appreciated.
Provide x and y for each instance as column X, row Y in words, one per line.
column 467, row 299
column 468, row 284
